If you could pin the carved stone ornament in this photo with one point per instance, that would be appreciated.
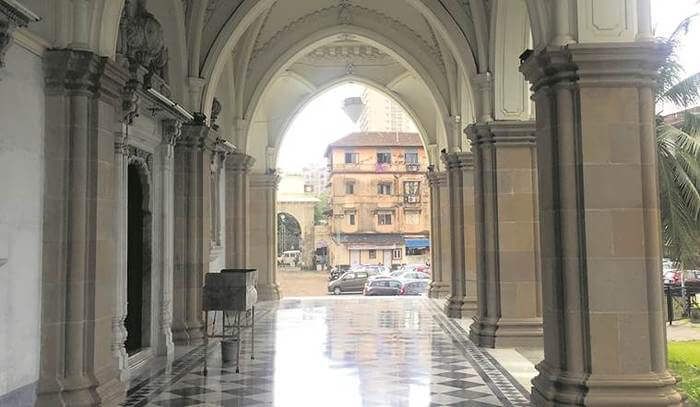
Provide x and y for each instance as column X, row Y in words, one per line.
column 141, row 39
column 215, row 112
column 130, row 102
column 12, row 15
column 144, row 158
column 172, row 131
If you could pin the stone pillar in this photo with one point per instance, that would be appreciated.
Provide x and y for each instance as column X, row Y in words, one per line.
column 121, row 168
column 604, row 340
column 172, row 131
column 192, row 222
column 263, row 233
column 237, row 209
column 439, row 235
column 460, row 184
column 83, row 104
column 507, row 256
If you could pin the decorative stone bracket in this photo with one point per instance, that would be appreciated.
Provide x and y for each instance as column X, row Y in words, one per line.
column 12, row 15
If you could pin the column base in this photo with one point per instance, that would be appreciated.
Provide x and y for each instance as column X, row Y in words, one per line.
column 558, row 388
column 188, row 335
column 109, row 394
column 507, row 333
column 438, row 290
column 268, row 292
column 460, row 307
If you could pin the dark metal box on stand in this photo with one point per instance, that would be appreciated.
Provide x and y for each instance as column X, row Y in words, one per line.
column 231, row 290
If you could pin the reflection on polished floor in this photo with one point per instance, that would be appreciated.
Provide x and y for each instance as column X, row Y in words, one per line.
column 340, row 351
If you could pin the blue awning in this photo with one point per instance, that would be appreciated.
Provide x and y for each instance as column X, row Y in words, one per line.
column 417, row 243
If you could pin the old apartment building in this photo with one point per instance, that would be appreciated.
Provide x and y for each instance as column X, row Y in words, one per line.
column 379, row 199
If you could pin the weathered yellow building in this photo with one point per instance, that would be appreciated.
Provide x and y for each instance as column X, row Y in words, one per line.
column 379, row 199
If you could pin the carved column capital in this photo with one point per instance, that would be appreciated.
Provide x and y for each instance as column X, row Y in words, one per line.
column 172, row 131
column 83, row 72
column 515, row 133
column 436, row 178
column 239, row 162
column 269, row 180
column 460, row 160
column 12, row 16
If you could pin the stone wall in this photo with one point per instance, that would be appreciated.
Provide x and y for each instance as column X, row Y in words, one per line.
column 21, row 183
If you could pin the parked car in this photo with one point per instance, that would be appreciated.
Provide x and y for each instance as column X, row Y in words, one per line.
column 289, row 258
column 416, row 287
column 672, row 277
column 416, row 267
column 350, row 282
column 382, row 286
column 410, row 275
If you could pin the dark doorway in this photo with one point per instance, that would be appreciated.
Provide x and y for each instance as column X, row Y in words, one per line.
column 138, row 261
column 288, row 233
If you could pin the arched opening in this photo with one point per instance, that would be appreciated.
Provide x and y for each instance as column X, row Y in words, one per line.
column 138, row 317
column 288, row 240
column 360, row 158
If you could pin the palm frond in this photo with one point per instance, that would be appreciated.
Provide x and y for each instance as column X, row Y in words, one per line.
column 684, row 92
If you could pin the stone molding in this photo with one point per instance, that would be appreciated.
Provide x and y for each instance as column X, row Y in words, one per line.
column 502, row 133
column 12, row 16
column 269, row 180
column 69, row 71
column 239, row 162
column 436, row 178
column 594, row 65
column 197, row 136
column 461, row 160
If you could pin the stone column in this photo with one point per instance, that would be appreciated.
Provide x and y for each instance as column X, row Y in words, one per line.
column 121, row 168
column 439, row 235
column 172, row 131
column 192, row 222
column 460, row 184
column 263, row 233
column 604, row 339
column 507, row 257
column 237, row 209
column 83, row 104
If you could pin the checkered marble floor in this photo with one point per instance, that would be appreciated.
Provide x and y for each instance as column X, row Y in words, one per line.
column 340, row 351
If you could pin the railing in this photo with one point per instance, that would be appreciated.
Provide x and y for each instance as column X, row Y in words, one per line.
column 412, row 167
column 411, row 199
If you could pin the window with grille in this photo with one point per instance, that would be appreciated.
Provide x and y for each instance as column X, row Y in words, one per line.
column 372, row 254
column 384, row 188
column 384, row 158
column 397, row 254
column 349, row 188
column 384, row 218
column 411, row 157
column 351, row 158
column 351, row 219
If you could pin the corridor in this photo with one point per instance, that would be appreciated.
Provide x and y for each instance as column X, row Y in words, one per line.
column 340, row 351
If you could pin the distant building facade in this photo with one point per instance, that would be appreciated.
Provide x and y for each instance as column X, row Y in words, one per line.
column 383, row 114
column 379, row 200
column 295, row 207
column 316, row 179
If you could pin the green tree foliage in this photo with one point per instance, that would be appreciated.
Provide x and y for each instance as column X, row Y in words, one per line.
column 678, row 155
column 321, row 208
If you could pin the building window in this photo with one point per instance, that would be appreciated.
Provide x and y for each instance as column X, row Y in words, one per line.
column 384, row 188
column 308, row 188
column 396, row 254
column 349, row 188
column 351, row 158
column 384, row 158
column 351, row 219
column 411, row 157
column 411, row 188
column 384, row 218
column 372, row 254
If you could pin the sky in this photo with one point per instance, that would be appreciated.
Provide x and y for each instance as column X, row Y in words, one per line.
column 323, row 121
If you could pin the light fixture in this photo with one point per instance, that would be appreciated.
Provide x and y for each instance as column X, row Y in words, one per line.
column 167, row 101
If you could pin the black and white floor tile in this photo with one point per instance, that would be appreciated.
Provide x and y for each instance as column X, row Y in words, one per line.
column 347, row 351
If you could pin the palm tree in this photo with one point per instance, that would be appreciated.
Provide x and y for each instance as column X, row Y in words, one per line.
column 678, row 152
